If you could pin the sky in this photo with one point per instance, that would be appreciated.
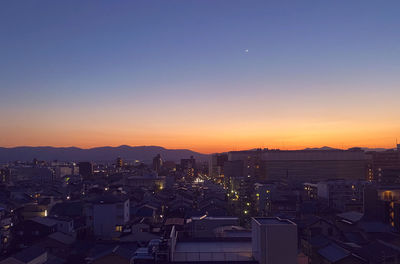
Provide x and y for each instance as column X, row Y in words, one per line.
column 208, row 75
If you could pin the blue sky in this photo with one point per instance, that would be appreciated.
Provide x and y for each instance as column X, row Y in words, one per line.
column 171, row 62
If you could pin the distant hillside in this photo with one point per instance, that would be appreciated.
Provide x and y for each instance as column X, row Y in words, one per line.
column 142, row 153
column 365, row 149
column 322, row 148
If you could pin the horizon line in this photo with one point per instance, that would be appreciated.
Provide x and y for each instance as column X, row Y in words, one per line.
column 204, row 153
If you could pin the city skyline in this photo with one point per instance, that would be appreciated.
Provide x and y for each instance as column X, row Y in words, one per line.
column 204, row 75
column 318, row 148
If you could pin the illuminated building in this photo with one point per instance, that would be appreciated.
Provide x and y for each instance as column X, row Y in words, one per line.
column 6, row 223
column 263, row 198
column 148, row 181
column 303, row 165
column 188, row 166
column 5, row 175
column 383, row 204
column 253, row 164
column 216, row 166
column 119, row 162
column 342, row 195
column 311, row 191
column 386, row 166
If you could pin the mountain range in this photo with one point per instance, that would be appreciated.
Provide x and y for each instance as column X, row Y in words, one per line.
column 365, row 149
column 142, row 153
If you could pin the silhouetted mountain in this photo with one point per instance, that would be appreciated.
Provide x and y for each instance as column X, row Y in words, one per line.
column 322, row 148
column 365, row 149
column 142, row 153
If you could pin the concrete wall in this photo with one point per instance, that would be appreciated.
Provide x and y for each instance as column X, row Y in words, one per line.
column 104, row 219
column 210, row 256
column 275, row 242
column 281, row 243
column 66, row 227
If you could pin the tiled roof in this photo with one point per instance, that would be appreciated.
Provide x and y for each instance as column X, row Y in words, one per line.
column 334, row 253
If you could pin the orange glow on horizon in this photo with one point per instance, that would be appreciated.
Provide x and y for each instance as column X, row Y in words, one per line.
column 212, row 142
column 205, row 134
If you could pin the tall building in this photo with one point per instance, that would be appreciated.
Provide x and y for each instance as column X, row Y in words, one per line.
column 86, row 169
column 5, row 175
column 253, row 163
column 274, row 240
column 216, row 165
column 188, row 166
column 303, row 165
column 157, row 163
column 62, row 171
column 342, row 195
column 119, row 162
column 386, row 166
column 244, row 169
column 263, row 193
column 383, row 204
column 233, row 169
column 6, row 223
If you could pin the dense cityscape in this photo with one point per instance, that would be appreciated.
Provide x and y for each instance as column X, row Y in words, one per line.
column 256, row 206
column 199, row 132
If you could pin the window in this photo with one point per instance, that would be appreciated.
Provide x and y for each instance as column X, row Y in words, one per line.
column 118, row 228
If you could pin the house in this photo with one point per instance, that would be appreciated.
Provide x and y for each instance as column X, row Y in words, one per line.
column 31, row 255
column 321, row 226
column 334, row 254
column 58, row 244
column 34, row 229
column 108, row 215
column 116, row 254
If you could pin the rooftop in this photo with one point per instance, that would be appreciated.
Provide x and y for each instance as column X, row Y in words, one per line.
column 29, row 254
column 44, row 221
column 214, row 218
column 334, row 253
column 108, row 199
column 272, row 221
column 351, row 216
column 62, row 238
